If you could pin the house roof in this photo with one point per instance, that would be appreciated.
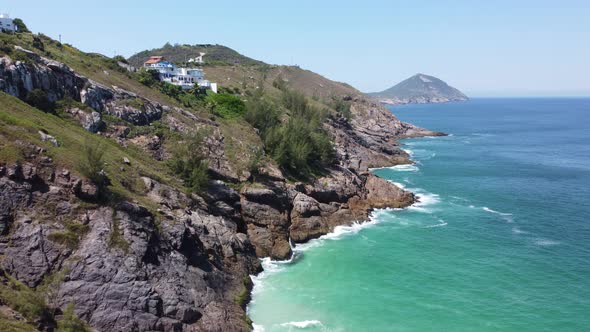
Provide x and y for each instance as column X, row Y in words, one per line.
column 154, row 59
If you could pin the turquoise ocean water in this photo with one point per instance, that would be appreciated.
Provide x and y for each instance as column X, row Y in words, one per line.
column 499, row 242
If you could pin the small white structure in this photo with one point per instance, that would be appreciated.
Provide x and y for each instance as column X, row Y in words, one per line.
column 186, row 78
column 198, row 59
column 6, row 23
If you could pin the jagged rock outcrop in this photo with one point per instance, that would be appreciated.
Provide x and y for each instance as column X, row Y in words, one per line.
column 59, row 81
column 126, row 271
column 369, row 138
column 340, row 198
column 266, row 212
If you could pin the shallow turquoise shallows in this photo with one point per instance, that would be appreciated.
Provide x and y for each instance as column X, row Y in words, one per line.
column 500, row 240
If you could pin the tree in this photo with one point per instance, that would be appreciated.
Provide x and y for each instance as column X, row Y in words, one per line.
column 20, row 25
column 70, row 322
column 149, row 77
column 92, row 163
column 189, row 164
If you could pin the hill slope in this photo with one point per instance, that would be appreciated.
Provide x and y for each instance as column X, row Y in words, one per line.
column 215, row 54
column 420, row 89
column 98, row 207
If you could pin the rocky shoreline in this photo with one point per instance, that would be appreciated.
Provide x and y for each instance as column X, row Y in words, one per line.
column 177, row 261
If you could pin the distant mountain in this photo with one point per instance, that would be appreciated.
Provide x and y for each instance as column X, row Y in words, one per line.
column 420, row 89
column 214, row 55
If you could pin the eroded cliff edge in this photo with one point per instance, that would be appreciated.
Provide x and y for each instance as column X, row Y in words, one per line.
column 170, row 260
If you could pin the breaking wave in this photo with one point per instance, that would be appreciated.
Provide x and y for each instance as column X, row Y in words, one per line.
column 505, row 216
column 303, row 324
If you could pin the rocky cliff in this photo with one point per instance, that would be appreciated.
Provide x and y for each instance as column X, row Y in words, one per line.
column 162, row 259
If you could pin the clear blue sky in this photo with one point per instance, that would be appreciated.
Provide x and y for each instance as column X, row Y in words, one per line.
column 491, row 48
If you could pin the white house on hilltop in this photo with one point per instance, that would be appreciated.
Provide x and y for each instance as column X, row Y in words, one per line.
column 6, row 23
column 186, row 78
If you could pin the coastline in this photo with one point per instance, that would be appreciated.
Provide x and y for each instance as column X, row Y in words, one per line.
column 270, row 266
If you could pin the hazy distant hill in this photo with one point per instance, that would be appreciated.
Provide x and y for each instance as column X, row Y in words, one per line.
column 420, row 89
column 215, row 55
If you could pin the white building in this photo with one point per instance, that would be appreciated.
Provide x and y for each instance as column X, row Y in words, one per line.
column 198, row 60
column 186, row 78
column 6, row 23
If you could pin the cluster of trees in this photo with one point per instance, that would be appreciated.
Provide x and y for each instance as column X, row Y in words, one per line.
column 299, row 144
column 226, row 105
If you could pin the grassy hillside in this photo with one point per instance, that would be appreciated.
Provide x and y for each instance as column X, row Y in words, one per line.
column 20, row 123
column 215, row 55
column 231, row 69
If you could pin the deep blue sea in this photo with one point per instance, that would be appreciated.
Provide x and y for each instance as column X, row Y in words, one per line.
column 500, row 240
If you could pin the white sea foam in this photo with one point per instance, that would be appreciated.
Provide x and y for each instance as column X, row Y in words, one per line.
column 505, row 216
column 272, row 266
column 441, row 223
column 397, row 184
column 408, row 151
column 517, row 230
column 405, row 168
column 257, row 328
column 424, row 199
column 546, row 242
column 303, row 324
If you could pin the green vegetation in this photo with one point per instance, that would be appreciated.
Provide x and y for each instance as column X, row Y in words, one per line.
column 244, row 296
column 26, row 301
column 226, row 105
column 92, row 163
column 71, row 323
column 299, row 145
column 116, row 238
column 216, row 55
column 120, row 58
column 11, row 325
column 79, row 150
column 70, row 237
column 341, row 106
column 20, row 25
column 189, row 164
column 32, row 305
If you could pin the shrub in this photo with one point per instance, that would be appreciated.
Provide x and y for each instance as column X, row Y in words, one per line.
column 70, row 322
column 170, row 90
column 26, row 301
column 300, row 146
column 92, row 163
column 20, row 25
column 70, row 237
column 120, row 58
column 148, row 77
column 341, row 106
column 116, row 238
column 190, row 165
column 262, row 115
column 226, row 105
column 38, row 43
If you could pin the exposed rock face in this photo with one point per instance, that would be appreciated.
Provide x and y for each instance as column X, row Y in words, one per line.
column 59, row 81
column 266, row 211
column 369, row 139
column 126, row 273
